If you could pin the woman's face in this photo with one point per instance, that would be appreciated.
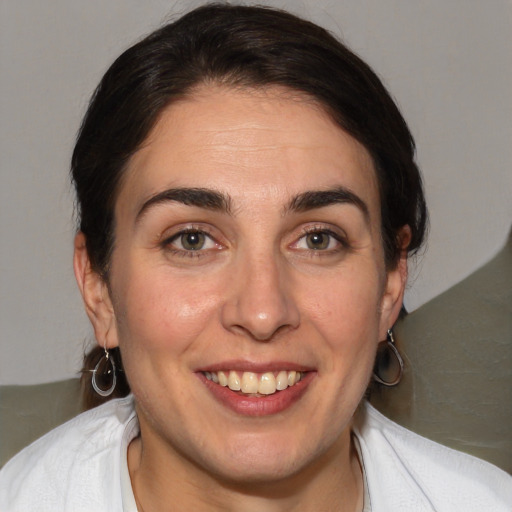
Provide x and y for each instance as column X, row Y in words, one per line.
column 248, row 249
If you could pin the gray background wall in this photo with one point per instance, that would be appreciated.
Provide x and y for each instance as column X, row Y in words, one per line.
column 448, row 64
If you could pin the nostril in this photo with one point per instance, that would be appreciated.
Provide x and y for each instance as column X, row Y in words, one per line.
column 261, row 305
column 260, row 335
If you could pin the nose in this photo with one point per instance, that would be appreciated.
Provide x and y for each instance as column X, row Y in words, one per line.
column 260, row 303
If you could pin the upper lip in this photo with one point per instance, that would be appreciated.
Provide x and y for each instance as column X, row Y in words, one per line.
column 253, row 366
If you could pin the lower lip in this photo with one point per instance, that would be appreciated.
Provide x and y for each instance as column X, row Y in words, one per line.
column 262, row 405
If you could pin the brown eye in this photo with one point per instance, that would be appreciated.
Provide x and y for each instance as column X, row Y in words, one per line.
column 318, row 241
column 193, row 240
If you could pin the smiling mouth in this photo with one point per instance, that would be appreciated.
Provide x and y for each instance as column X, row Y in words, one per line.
column 255, row 384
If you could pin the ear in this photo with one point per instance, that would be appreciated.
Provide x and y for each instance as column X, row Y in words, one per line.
column 393, row 296
column 95, row 295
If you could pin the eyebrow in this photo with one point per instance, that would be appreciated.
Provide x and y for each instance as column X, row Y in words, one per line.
column 314, row 199
column 200, row 197
column 220, row 202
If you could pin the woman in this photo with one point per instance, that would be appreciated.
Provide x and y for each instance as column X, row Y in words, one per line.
column 248, row 199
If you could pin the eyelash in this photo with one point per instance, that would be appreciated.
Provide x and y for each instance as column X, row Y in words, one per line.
column 341, row 240
column 188, row 253
column 322, row 230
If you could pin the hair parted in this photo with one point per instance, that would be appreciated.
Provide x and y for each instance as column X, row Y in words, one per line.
column 239, row 46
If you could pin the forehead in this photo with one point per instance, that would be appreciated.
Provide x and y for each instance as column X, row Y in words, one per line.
column 258, row 145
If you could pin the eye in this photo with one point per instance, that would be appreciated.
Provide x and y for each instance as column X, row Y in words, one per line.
column 319, row 240
column 191, row 240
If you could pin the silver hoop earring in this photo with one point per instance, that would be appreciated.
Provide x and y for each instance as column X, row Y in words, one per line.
column 106, row 369
column 389, row 365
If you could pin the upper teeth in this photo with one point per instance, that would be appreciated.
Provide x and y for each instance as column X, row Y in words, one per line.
column 249, row 382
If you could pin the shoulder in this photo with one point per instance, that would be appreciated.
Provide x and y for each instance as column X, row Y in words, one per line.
column 419, row 474
column 79, row 458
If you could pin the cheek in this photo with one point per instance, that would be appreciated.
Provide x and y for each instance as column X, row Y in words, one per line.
column 346, row 311
column 154, row 310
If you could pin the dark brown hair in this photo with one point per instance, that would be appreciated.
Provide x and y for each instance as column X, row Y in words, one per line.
column 238, row 46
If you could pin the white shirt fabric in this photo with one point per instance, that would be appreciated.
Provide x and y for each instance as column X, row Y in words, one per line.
column 81, row 466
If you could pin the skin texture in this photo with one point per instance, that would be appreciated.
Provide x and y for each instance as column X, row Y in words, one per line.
column 255, row 294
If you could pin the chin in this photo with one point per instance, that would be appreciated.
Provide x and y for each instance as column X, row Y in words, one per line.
column 257, row 471
column 264, row 461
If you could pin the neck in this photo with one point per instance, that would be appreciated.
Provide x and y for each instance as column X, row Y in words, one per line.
column 333, row 482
